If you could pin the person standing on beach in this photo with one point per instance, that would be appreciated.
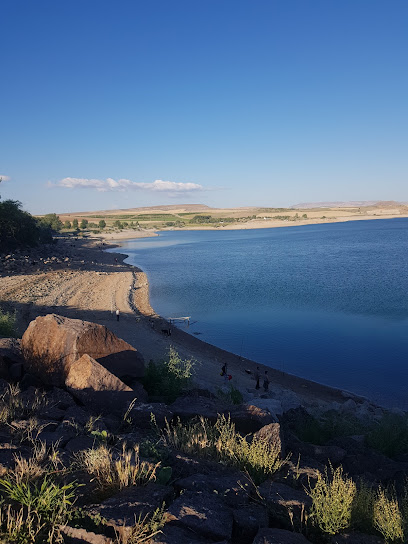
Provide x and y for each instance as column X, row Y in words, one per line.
column 117, row 315
column 266, row 382
column 257, row 377
column 224, row 369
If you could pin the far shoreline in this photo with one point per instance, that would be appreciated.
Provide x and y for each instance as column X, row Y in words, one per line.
column 131, row 234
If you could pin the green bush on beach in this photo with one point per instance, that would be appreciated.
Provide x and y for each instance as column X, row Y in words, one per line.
column 168, row 378
column 8, row 324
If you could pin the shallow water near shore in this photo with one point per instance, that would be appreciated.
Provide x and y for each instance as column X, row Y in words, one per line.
column 325, row 302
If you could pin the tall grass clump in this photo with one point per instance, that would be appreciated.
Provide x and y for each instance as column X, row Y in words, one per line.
column 170, row 377
column 332, row 499
column 222, row 442
column 387, row 516
column 114, row 473
column 34, row 502
column 8, row 324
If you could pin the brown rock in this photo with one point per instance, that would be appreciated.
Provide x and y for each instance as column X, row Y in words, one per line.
column 97, row 388
column 272, row 433
column 249, row 418
column 52, row 343
column 73, row 535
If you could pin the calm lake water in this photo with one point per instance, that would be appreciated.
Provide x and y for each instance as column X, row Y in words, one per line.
column 325, row 302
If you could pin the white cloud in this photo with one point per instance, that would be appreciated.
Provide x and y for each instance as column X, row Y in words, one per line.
column 126, row 184
column 4, row 178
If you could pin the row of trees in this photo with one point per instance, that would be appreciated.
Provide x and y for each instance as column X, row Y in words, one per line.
column 83, row 225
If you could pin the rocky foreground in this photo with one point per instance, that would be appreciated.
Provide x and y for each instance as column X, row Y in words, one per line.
column 142, row 466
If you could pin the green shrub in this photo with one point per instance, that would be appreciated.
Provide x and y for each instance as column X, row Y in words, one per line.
column 362, row 513
column 332, row 499
column 232, row 396
column 387, row 516
column 389, row 435
column 331, row 424
column 168, row 378
column 8, row 324
column 44, row 508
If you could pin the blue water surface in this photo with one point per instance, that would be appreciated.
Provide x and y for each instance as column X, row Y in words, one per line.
column 326, row 302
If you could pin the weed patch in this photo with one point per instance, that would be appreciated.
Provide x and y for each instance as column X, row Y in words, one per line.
column 332, row 499
column 387, row 516
column 220, row 441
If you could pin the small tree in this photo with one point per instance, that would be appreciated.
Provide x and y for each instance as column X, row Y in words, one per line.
column 52, row 221
column 67, row 225
column 75, row 223
column 84, row 223
column 102, row 224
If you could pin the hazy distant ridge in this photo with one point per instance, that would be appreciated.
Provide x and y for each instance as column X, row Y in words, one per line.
column 348, row 204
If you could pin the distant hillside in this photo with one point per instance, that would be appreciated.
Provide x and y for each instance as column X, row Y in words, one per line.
column 349, row 204
column 146, row 209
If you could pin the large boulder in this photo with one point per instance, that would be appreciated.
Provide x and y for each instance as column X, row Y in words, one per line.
column 97, row 388
column 52, row 343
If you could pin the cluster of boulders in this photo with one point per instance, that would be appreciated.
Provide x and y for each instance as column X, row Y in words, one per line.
column 83, row 369
column 44, row 257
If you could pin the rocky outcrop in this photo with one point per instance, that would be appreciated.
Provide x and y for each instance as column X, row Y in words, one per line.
column 97, row 388
column 52, row 343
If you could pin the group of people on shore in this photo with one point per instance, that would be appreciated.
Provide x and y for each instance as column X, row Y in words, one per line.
column 257, row 376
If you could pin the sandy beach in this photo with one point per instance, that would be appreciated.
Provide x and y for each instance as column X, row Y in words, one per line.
column 90, row 284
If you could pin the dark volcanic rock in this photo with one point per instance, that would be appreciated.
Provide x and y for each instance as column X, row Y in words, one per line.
column 247, row 522
column 120, row 511
column 233, row 489
column 203, row 513
column 280, row 499
column 279, row 536
column 170, row 534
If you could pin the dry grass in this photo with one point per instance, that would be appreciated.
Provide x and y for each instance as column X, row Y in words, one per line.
column 110, row 473
column 220, row 441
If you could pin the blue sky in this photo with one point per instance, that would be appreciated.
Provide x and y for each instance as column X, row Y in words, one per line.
column 228, row 103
